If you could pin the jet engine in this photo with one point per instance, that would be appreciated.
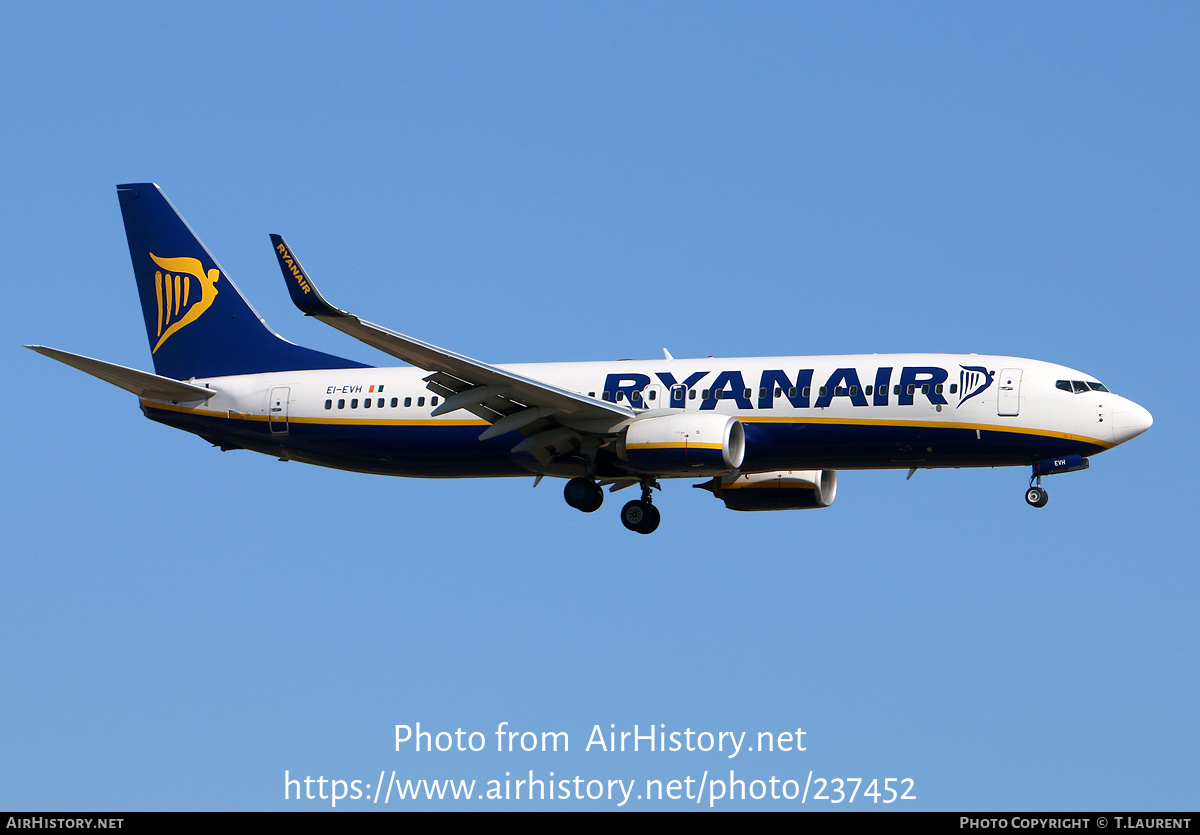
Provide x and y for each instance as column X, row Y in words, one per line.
column 683, row 444
column 778, row 490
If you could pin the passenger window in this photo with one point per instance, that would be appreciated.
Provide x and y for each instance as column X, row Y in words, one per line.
column 691, row 394
column 823, row 390
column 433, row 401
column 747, row 393
column 341, row 403
column 407, row 402
column 676, row 394
column 778, row 391
column 354, row 403
column 839, row 391
column 604, row 395
column 620, row 394
column 395, row 402
column 792, row 391
column 925, row 389
column 954, row 388
column 912, row 389
column 938, row 388
column 869, row 391
column 807, row 389
column 717, row 394
column 366, row 402
column 653, row 394
column 328, row 404
column 853, row 391
column 420, row 401
column 897, row 389
column 706, row 394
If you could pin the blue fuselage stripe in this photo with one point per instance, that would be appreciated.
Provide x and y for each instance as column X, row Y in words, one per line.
column 456, row 451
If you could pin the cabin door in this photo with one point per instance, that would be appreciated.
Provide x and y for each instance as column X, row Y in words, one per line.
column 1008, row 398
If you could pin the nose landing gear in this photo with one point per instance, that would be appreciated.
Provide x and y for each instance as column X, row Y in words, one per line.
column 1036, row 495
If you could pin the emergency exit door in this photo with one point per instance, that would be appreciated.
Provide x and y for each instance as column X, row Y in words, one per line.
column 277, row 410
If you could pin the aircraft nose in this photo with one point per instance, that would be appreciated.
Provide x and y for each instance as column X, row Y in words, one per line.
column 1129, row 421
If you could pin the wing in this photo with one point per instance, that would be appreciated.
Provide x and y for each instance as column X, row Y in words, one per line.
column 551, row 418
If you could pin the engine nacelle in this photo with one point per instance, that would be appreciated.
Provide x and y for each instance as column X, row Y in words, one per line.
column 778, row 490
column 686, row 443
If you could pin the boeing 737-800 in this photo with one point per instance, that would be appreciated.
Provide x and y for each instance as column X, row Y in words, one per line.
column 768, row 433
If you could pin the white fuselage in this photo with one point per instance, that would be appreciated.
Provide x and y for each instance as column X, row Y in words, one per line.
column 840, row 412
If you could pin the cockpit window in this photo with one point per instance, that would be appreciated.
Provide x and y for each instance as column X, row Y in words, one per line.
column 1079, row 386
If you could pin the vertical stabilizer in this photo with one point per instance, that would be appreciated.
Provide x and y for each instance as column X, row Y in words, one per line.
column 198, row 323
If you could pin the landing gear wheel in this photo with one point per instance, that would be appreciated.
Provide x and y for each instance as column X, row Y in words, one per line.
column 583, row 494
column 640, row 516
column 1037, row 497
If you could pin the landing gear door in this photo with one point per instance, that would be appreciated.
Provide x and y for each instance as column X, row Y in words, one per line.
column 1008, row 399
column 277, row 410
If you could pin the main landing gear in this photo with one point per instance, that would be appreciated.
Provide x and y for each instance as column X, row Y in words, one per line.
column 1036, row 495
column 583, row 494
column 639, row 515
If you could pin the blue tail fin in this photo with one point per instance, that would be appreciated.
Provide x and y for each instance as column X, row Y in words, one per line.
column 198, row 323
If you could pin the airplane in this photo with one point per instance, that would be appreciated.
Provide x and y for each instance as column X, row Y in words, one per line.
column 768, row 433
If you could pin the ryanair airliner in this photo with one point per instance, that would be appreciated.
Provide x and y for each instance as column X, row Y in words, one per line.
column 766, row 433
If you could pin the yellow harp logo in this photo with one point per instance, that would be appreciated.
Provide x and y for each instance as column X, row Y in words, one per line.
column 178, row 303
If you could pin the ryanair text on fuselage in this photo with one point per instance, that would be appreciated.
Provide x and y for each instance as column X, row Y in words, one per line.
column 912, row 381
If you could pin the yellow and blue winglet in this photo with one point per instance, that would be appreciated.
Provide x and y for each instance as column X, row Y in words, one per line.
column 301, row 288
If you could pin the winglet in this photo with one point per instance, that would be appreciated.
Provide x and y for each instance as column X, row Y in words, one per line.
column 301, row 288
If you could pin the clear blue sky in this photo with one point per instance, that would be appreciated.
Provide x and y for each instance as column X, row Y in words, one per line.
column 524, row 182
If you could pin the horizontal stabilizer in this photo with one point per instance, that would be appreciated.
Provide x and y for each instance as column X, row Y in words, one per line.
column 141, row 383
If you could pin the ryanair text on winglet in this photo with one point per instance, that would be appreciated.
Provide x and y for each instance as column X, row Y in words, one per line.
column 297, row 273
